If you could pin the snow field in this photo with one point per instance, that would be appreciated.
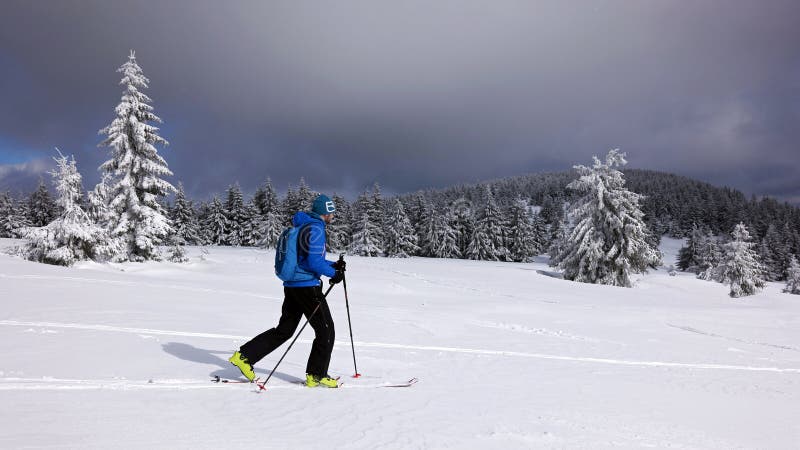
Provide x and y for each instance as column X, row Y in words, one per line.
column 120, row 355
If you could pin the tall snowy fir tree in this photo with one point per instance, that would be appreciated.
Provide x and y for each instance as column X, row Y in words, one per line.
column 441, row 238
column 138, row 220
column 216, row 223
column 289, row 206
column 269, row 227
column 740, row 267
column 6, row 215
column 690, row 257
column 775, row 253
column 184, row 220
column 522, row 244
column 265, row 199
column 401, row 240
column 340, row 231
column 377, row 214
column 41, row 207
column 236, row 215
column 421, row 215
column 251, row 227
column 13, row 217
column 463, row 224
column 793, row 277
column 488, row 242
column 99, row 199
column 541, row 234
column 708, row 257
column 267, row 223
column 366, row 238
column 72, row 236
column 305, row 196
column 608, row 238
column 368, row 235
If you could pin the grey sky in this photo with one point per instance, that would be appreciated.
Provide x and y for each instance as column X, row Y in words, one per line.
column 412, row 94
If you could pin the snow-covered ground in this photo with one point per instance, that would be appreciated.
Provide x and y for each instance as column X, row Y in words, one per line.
column 508, row 356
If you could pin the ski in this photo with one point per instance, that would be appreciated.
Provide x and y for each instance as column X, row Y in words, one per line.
column 261, row 387
column 217, row 379
column 408, row 383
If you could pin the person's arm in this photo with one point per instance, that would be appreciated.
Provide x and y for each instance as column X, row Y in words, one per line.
column 316, row 251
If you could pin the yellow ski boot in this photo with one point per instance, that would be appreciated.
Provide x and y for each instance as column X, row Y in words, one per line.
column 326, row 381
column 243, row 364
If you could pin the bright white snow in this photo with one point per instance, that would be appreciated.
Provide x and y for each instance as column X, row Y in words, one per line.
column 508, row 356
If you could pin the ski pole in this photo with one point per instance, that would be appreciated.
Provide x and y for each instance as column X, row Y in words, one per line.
column 262, row 385
column 352, row 346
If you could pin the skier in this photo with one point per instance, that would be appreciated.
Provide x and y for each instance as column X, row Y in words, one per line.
column 301, row 296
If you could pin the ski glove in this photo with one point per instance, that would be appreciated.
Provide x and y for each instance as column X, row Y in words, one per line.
column 339, row 265
column 338, row 277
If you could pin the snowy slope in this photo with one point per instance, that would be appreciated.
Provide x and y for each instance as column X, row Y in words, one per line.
column 508, row 356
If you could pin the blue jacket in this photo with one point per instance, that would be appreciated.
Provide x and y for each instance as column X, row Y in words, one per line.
column 311, row 238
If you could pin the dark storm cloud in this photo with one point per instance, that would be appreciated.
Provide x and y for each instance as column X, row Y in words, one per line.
column 414, row 94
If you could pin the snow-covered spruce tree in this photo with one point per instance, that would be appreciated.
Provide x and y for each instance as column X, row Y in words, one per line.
column 269, row 229
column 793, row 277
column 487, row 241
column 608, row 238
column 6, row 214
column 442, row 238
column 775, row 253
column 522, row 246
column 265, row 199
column 235, row 213
column 401, row 240
column 251, row 233
column 368, row 235
column 184, row 219
column 365, row 238
column 340, row 230
column 72, row 236
column 541, row 234
column 740, row 267
column 289, row 206
column 305, row 196
column 424, row 216
column 463, row 223
column 708, row 257
column 138, row 220
column 267, row 222
column 689, row 256
column 99, row 198
column 12, row 218
column 216, row 223
column 178, row 253
column 41, row 207
column 377, row 213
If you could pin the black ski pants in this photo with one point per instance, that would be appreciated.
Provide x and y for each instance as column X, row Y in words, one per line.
column 298, row 301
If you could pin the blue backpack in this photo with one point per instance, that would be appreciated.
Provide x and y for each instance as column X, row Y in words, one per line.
column 287, row 256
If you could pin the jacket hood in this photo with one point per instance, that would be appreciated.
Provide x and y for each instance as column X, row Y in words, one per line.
column 301, row 218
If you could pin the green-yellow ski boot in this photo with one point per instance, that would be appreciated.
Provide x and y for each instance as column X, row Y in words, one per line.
column 243, row 364
column 326, row 381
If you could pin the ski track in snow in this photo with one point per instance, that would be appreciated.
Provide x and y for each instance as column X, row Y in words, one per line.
column 140, row 284
column 471, row 351
column 539, row 331
column 743, row 341
column 462, row 287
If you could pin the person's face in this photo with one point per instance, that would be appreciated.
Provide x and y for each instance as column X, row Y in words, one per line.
column 328, row 218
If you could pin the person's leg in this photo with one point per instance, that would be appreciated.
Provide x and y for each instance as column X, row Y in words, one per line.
column 263, row 344
column 324, row 334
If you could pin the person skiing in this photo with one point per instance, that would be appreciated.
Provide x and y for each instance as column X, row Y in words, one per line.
column 302, row 295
